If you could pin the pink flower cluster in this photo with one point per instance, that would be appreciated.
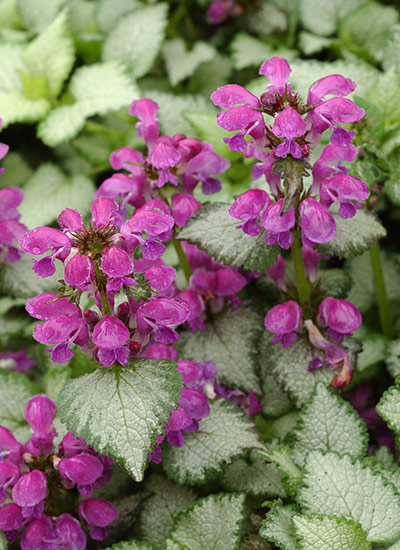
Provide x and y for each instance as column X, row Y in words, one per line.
column 296, row 129
column 44, row 484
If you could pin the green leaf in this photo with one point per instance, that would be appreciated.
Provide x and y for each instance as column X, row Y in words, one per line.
column 289, row 367
column 207, row 129
column 373, row 351
column 98, row 89
column 110, row 12
column 51, row 55
column 281, row 426
column 354, row 235
column 212, row 522
column 17, row 170
column 282, row 458
column 391, row 50
column 15, row 391
column 55, row 379
column 383, row 94
column 254, row 476
column 137, row 37
column 131, row 545
column 38, row 14
column 159, row 511
column 15, row 106
column 224, row 434
column 59, row 192
column 318, row 532
column 120, row 411
column 181, row 63
column 323, row 18
column 214, row 231
column 365, row 30
column 211, row 74
column 274, row 401
column 335, row 485
column 389, row 407
column 229, row 340
column 278, row 526
column 248, row 51
column 11, row 55
column 311, row 43
column 392, row 188
column 335, row 282
column 20, row 281
column 392, row 357
column 328, row 423
column 173, row 108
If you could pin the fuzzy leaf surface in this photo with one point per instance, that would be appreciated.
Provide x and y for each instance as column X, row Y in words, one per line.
column 181, row 63
column 212, row 523
column 15, row 390
column 389, row 407
column 120, row 412
column 317, row 532
column 354, row 235
column 328, row 423
column 230, row 341
column 38, row 14
column 278, row 526
column 159, row 511
column 137, row 37
column 223, row 435
column 130, row 545
column 214, row 231
column 335, row 485
column 282, row 457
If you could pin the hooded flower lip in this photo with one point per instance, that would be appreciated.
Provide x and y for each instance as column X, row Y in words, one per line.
column 10, row 198
column 334, row 84
column 110, row 333
column 97, row 513
column 40, row 240
column 158, row 316
column 279, row 226
column 40, row 412
column 145, row 110
column 342, row 189
column 339, row 315
column 79, row 272
column 233, row 94
column 30, row 489
column 46, row 532
column 288, row 124
column 284, row 320
column 277, row 70
column 64, row 331
column 83, row 470
column 317, row 224
column 249, row 206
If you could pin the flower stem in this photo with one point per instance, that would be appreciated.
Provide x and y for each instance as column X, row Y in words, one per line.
column 380, row 289
column 187, row 270
column 101, row 282
column 303, row 286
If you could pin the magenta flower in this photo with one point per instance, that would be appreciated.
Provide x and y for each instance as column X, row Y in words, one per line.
column 201, row 167
column 278, row 225
column 64, row 331
column 29, row 492
column 284, row 320
column 249, row 206
column 10, row 448
column 117, row 265
column 47, row 532
column 10, row 517
column 311, row 259
column 340, row 316
column 83, row 470
column 158, row 316
column 40, row 240
column 47, row 305
column 334, row 84
column 288, row 124
column 147, row 126
column 278, row 71
column 342, row 189
column 195, row 303
column 110, row 335
column 19, row 359
column 97, row 514
column 70, row 220
column 184, row 208
column 9, row 475
column 159, row 275
column 329, row 163
column 277, row 272
column 40, row 412
column 220, row 10
column 243, row 118
column 317, row 224
column 79, row 272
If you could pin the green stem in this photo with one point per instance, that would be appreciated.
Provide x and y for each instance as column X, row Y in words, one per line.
column 187, row 270
column 101, row 281
column 381, row 296
column 105, row 303
column 302, row 284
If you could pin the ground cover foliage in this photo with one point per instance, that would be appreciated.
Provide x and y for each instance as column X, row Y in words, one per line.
column 199, row 274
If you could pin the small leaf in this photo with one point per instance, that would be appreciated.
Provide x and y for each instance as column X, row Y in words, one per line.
column 131, row 545
column 392, row 188
column 55, row 379
column 214, row 231
column 230, row 341
column 278, row 526
column 206, row 128
column 374, row 347
column 98, row 89
column 389, row 407
column 51, row 55
column 58, row 192
column 289, row 367
column 318, row 532
column 248, row 51
column 15, row 391
column 120, row 411
column 323, row 18
column 38, row 14
column 328, row 423
column 354, row 235
column 181, row 63
column 254, row 476
column 159, row 511
column 137, row 37
column 282, row 458
column 224, row 434
column 274, row 401
column 335, row 485
column 335, row 282
column 392, row 357
column 110, row 12
column 212, row 522
column 15, row 106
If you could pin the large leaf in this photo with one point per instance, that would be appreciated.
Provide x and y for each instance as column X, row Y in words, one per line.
column 224, row 434
column 38, row 14
column 318, row 532
column 322, row 18
column 335, row 485
column 289, row 367
column 51, row 55
column 159, row 511
column 98, row 89
column 214, row 231
column 181, row 63
column 137, row 37
column 15, row 106
column 15, row 391
column 230, row 341
column 109, row 12
column 281, row 456
column 119, row 411
column 211, row 523
column 130, row 545
column 278, row 526
column 389, row 407
column 354, row 235
column 328, row 423
column 57, row 191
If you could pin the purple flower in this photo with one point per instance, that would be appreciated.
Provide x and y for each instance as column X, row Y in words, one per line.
column 29, row 492
column 311, row 259
column 10, row 232
column 184, row 208
column 334, row 84
column 278, row 71
column 158, row 316
column 47, row 305
column 329, row 163
column 40, row 412
column 117, row 264
column 278, row 225
column 104, row 212
column 233, row 94
column 220, row 10
column 9, row 475
column 159, row 275
column 249, row 206
column 10, row 517
column 196, row 306
column 288, row 124
column 342, row 189
column 200, row 168
column 277, row 272
column 340, row 316
column 284, row 320
column 243, row 118
column 10, row 448
column 70, row 220
column 64, row 331
column 40, row 240
column 21, row 362
column 317, row 224
column 82, row 469
column 110, row 335
column 10, row 198
column 79, row 272
column 54, row 534
column 147, row 126
column 97, row 513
